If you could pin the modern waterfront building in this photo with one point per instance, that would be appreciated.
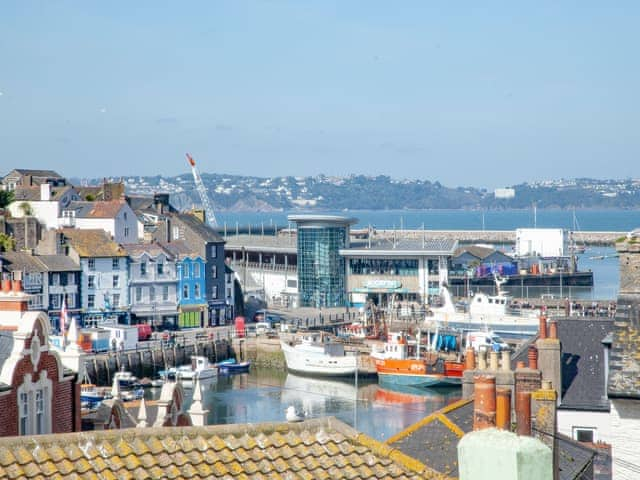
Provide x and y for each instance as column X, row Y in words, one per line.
column 321, row 268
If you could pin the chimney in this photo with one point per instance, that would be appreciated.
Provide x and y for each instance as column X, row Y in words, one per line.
column 45, row 192
column 503, row 408
column 542, row 328
column 470, row 359
column 506, row 360
column 523, row 413
column 468, row 373
column 550, row 357
column 544, row 414
column 553, row 330
column 484, row 403
column 532, row 355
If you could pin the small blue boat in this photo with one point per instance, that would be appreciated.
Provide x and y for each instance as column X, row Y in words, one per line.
column 230, row 366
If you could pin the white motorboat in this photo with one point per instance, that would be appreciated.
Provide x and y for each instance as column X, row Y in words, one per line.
column 125, row 379
column 494, row 312
column 316, row 354
column 200, row 368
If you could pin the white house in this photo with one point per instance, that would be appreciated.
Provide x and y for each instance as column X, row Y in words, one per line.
column 115, row 217
column 44, row 202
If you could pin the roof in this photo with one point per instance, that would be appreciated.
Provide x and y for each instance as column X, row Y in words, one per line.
column 21, row 261
column 312, row 220
column 33, row 194
column 583, row 363
column 402, row 247
column 99, row 209
column 180, row 249
column 624, row 362
column 205, row 232
column 263, row 243
column 319, row 449
column 58, row 263
column 152, row 249
column 36, row 173
column 477, row 251
column 434, row 442
column 93, row 243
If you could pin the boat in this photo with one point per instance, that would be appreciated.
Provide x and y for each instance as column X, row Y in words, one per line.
column 315, row 353
column 130, row 395
column 126, row 379
column 200, row 369
column 230, row 366
column 489, row 312
column 402, row 361
column 92, row 395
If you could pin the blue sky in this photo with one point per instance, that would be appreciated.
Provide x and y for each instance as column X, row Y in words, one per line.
column 466, row 93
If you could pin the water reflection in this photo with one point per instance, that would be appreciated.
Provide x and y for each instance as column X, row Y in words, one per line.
column 263, row 395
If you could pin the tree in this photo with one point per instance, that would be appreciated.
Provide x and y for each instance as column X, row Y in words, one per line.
column 6, row 197
column 7, row 242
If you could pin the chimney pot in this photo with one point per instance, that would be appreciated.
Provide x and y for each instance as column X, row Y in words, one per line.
column 482, row 359
column 16, row 285
column 506, row 360
column 547, row 385
column 6, row 286
column 484, row 403
column 470, row 359
column 503, row 408
column 553, row 329
column 523, row 413
column 542, row 328
column 520, row 365
column 533, row 357
column 493, row 361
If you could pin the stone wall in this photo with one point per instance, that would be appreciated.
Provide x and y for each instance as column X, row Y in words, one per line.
column 625, row 438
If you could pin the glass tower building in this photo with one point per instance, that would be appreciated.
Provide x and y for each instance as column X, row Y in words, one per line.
column 321, row 269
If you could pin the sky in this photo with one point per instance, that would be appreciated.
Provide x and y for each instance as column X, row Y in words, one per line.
column 482, row 94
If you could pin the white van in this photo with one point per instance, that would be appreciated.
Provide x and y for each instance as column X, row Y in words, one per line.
column 486, row 341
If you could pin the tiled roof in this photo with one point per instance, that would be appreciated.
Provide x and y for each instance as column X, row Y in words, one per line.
column 434, row 442
column 315, row 449
column 93, row 243
column 33, row 193
column 20, row 261
column 37, row 173
column 583, row 375
column 58, row 263
column 99, row 209
column 153, row 249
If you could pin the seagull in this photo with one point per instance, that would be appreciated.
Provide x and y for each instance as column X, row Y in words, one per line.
column 292, row 415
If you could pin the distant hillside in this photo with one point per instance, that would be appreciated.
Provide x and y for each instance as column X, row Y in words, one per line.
column 241, row 193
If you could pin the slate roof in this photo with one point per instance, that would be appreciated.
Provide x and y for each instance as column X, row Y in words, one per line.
column 315, row 449
column 20, row 261
column 180, row 249
column 624, row 361
column 37, row 173
column 93, row 243
column 33, row 193
column 475, row 250
column 434, row 442
column 99, row 209
column 153, row 249
column 583, row 375
column 58, row 263
column 205, row 232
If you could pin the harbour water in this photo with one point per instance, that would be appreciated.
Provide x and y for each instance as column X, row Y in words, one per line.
column 263, row 396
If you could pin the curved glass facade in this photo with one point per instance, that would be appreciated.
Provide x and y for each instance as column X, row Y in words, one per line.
column 321, row 270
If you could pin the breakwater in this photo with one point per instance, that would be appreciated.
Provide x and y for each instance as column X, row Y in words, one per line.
column 147, row 361
column 496, row 236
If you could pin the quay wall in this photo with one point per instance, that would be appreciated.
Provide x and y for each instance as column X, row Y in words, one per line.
column 497, row 236
column 147, row 361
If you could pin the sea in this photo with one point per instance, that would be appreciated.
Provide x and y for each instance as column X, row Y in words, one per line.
column 601, row 260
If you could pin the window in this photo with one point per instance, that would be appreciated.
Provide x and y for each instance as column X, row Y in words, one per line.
column 91, row 301
column 214, row 251
column 63, row 279
column 115, row 263
column 40, row 429
column 116, row 281
column 196, row 290
column 91, row 281
column 214, row 271
column 185, row 291
column 176, row 233
column 138, row 294
column 54, row 301
column 165, row 293
column 160, row 268
column 196, row 270
column 214, row 291
column 152, row 293
column 584, row 434
column 126, row 232
column 116, row 300
column 23, row 404
column 185, row 270
column 125, row 218
column 55, row 279
column 143, row 269
column 92, row 264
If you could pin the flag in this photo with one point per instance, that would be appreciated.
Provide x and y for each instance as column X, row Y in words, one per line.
column 63, row 317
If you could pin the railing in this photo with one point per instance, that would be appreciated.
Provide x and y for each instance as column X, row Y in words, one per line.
column 264, row 266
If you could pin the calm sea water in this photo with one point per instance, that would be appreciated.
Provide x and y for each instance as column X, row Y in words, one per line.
column 263, row 395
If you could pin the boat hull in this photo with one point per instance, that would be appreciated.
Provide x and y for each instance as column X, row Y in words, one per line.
column 417, row 373
column 231, row 368
column 418, row 380
column 317, row 364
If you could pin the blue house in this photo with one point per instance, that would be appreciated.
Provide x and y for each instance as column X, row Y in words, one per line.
column 190, row 269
